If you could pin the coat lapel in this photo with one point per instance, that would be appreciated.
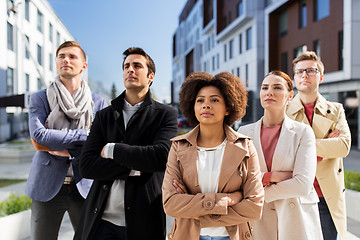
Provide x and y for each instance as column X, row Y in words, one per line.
column 257, row 143
column 286, row 140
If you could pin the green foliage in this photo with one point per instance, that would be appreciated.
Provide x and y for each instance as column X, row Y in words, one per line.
column 6, row 182
column 352, row 180
column 14, row 204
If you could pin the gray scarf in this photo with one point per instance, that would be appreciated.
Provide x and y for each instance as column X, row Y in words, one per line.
column 69, row 112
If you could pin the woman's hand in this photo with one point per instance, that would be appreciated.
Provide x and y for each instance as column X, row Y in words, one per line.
column 63, row 153
column 280, row 176
column 334, row 134
column 234, row 198
column 180, row 186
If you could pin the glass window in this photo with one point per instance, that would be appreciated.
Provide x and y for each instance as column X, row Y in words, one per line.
column 299, row 50
column 27, row 45
column 341, row 50
column 205, row 66
column 218, row 61
column 240, row 9
column 238, row 71
column 39, row 54
column 231, row 49
column 57, row 39
column 249, row 38
column 27, row 10
column 283, row 23
column 51, row 62
column 10, row 36
column 225, row 51
column 39, row 84
column 10, row 81
column 322, row 9
column 247, row 75
column 27, row 82
column 50, row 32
column 39, row 21
column 240, row 43
column 213, row 63
column 302, row 14
column 317, row 47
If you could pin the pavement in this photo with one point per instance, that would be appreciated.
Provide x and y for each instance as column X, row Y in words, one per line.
column 20, row 171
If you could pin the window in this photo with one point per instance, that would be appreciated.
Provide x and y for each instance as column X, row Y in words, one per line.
column 10, row 81
column 39, row 21
column 225, row 50
column 27, row 82
column 51, row 60
column 240, row 43
column 238, row 71
column 39, row 84
column 27, row 45
column 50, row 32
column 299, row 50
column 27, row 10
column 231, row 49
column 341, row 50
column 39, row 54
column 218, row 61
column 240, row 9
column 322, row 9
column 246, row 75
column 213, row 63
column 249, row 38
column 57, row 39
column 205, row 66
column 10, row 37
column 317, row 47
column 283, row 23
column 209, row 43
column 284, row 63
column 302, row 14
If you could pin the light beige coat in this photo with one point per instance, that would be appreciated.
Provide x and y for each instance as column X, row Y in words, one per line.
column 290, row 209
column 194, row 210
column 330, row 171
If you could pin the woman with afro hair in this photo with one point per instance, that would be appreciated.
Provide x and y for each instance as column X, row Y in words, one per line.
column 212, row 184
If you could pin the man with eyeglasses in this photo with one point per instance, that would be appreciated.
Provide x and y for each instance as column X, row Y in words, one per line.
column 333, row 141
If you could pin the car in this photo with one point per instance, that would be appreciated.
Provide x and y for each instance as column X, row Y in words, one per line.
column 182, row 123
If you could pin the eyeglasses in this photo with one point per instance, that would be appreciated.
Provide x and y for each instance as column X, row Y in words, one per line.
column 309, row 71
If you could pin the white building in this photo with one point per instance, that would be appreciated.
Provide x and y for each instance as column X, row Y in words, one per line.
column 216, row 36
column 31, row 32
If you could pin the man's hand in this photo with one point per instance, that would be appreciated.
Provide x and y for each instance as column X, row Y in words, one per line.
column 62, row 153
column 102, row 152
column 334, row 134
column 180, row 186
column 280, row 176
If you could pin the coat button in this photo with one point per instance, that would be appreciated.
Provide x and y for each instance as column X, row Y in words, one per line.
column 208, row 204
column 328, row 111
column 292, row 205
column 247, row 235
column 95, row 210
column 105, row 187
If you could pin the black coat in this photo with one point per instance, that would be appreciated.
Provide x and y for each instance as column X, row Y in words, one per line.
column 143, row 146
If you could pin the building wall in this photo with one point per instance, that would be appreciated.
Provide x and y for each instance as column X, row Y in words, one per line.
column 15, row 123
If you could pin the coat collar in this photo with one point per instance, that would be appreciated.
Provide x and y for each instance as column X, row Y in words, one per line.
column 118, row 103
column 296, row 105
column 191, row 136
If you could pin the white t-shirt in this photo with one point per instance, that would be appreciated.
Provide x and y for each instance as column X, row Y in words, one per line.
column 209, row 167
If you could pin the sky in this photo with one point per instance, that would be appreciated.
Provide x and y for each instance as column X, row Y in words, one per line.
column 105, row 29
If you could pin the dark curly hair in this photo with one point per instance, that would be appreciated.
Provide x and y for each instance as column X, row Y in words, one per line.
column 230, row 86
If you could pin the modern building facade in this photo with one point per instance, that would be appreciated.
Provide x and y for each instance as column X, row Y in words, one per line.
column 252, row 37
column 31, row 32
column 331, row 28
column 217, row 36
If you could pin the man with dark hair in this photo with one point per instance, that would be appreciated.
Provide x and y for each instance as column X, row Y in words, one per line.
column 59, row 120
column 126, row 155
column 333, row 141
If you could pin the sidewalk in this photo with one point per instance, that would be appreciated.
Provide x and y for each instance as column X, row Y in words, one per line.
column 21, row 170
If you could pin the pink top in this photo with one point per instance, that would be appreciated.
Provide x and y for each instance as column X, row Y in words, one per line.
column 309, row 112
column 269, row 137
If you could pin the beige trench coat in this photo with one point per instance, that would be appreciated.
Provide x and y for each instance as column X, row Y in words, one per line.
column 330, row 171
column 240, row 171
